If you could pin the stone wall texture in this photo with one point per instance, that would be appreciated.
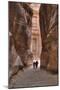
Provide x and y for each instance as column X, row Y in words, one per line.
column 49, row 34
column 20, row 22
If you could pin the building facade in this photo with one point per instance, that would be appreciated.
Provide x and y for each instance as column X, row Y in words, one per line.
column 36, row 45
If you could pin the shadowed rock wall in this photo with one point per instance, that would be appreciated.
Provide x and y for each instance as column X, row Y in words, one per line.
column 49, row 33
column 20, row 22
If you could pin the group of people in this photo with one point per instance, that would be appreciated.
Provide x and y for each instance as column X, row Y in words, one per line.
column 35, row 64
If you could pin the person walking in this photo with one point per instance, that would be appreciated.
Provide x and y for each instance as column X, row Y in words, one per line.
column 36, row 64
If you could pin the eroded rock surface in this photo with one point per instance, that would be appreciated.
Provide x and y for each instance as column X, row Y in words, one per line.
column 49, row 34
column 20, row 22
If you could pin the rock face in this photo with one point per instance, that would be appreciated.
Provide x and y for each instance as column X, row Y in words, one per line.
column 20, row 22
column 49, row 33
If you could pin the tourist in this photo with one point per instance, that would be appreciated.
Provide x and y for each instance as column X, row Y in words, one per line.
column 36, row 64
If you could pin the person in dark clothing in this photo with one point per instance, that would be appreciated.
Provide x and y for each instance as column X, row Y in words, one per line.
column 36, row 64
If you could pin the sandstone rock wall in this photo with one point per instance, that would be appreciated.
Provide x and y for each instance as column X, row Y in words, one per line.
column 20, row 22
column 49, row 33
